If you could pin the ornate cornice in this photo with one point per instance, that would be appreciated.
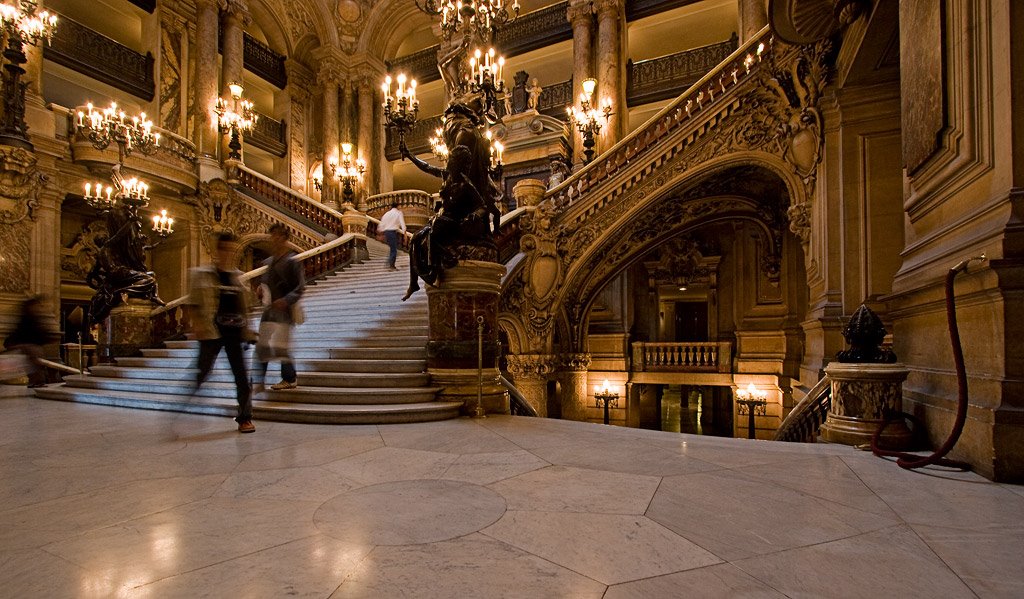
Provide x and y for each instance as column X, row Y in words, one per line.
column 531, row 366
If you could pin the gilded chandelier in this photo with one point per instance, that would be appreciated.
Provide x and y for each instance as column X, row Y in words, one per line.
column 481, row 18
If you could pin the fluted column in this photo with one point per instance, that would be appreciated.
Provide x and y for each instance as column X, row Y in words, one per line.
column 530, row 374
column 581, row 18
column 236, row 17
column 611, row 67
column 347, row 105
column 329, row 79
column 364, row 145
column 299, row 85
column 574, row 386
column 753, row 16
column 205, row 129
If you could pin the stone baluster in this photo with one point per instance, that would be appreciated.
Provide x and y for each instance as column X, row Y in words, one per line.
column 753, row 16
column 574, row 386
column 611, row 73
column 205, row 129
column 581, row 18
column 530, row 374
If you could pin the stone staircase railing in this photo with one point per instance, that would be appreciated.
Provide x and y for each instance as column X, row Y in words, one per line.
column 682, row 356
column 615, row 172
column 377, row 205
column 286, row 199
column 802, row 423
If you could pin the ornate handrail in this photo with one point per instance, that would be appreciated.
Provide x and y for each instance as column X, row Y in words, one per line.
column 517, row 401
column 270, row 135
column 404, row 241
column 664, row 77
column 803, row 421
column 289, row 201
column 682, row 356
column 380, row 203
column 509, row 233
column 95, row 55
column 697, row 100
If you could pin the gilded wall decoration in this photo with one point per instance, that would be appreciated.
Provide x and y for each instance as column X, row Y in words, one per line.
column 301, row 21
column 172, row 51
column 218, row 208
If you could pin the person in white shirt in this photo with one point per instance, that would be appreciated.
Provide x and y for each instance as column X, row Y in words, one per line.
column 390, row 225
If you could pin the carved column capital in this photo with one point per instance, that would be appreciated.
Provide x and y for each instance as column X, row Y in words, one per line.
column 330, row 73
column 575, row 362
column 237, row 9
column 608, row 8
column 531, row 366
column 579, row 10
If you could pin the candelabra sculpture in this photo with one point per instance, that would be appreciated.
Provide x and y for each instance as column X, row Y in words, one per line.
column 120, row 270
column 21, row 24
column 402, row 108
column 607, row 397
column 235, row 117
column 479, row 17
column 348, row 172
column 438, row 147
column 751, row 401
column 588, row 117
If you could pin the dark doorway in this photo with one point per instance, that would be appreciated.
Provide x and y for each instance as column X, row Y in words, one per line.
column 691, row 321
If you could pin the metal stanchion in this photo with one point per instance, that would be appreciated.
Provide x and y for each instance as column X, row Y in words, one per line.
column 478, row 410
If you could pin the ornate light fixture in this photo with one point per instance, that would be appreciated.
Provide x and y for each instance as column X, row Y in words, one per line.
column 235, row 117
column 163, row 225
column 481, row 18
column 133, row 133
column 588, row 118
column 401, row 109
column 751, row 401
column 348, row 172
column 438, row 147
column 21, row 24
column 607, row 396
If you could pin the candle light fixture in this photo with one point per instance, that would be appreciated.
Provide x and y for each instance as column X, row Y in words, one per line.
column 349, row 172
column 606, row 396
column 402, row 107
column 235, row 117
column 588, row 118
column 22, row 24
column 751, row 401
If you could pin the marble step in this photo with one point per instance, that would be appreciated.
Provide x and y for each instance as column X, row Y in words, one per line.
column 308, row 365
column 305, row 379
column 318, row 395
column 300, row 344
column 381, row 353
column 427, row 411
column 329, row 332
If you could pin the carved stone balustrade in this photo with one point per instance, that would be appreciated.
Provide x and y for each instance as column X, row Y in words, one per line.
column 287, row 200
column 95, row 55
column 682, row 356
column 173, row 165
column 417, row 206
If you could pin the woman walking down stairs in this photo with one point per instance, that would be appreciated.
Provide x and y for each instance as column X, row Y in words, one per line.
column 361, row 358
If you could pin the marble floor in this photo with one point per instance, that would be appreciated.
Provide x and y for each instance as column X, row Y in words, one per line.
column 108, row 502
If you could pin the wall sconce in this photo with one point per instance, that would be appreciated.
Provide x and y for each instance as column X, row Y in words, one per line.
column 606, row 395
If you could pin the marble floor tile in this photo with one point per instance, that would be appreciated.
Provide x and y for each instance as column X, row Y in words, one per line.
column 67, row 517
column 487, row 468
column 312, row 453
column 560, row 488
column 622, row 456
column 388, row 464
column 36, row 573
column 989, row 560
column 462, row 436
column 295, row 484
column 409, row 512
column 312, row 567
column 471, row 566
column 186, row 538
column 735, row 517
column 722, row 581
column 892, row 562
column 608, row 548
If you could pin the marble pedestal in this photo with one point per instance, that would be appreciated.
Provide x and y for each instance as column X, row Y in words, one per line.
column 128, row 329
column 467, row 291
column 863, row 396
column 356, row 222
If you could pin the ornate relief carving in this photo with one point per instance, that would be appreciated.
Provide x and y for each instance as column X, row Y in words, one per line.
column 531, row 366
column 301, row 22
column 575, row 362
column 20, row 183
column 77, row 259
column 218, row 208
column 172, row 47
column 15, row 241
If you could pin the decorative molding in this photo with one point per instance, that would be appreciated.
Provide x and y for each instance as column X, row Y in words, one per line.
column 20, row 183
column 531, row 366
column 95, row 55
column 77, row 258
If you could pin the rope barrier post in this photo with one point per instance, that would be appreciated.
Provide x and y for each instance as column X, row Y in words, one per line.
column 478, row 410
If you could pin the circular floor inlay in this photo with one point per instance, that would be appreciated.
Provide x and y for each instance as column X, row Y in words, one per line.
column 409, row 512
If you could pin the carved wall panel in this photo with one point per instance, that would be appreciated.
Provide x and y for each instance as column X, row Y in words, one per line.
column 173, row 52
column 922, row 82
column 15, row 256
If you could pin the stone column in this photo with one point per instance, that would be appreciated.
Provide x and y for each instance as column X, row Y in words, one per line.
column 753, row 16
column 530, row 374
column 329, row 79
column 581, row 18
column 299, row 86
column 347, row 101
column 468, row 291
column 236, row 18
column 611, row 67
column 205, row 128
column 574, row 386
column 863, row 396
column 364, row 145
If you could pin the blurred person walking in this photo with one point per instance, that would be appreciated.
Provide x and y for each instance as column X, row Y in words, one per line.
column 34, row 330
column 219, row 314
column 390, row 225
column 285, row 282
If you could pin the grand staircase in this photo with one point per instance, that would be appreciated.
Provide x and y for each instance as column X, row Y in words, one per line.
column 360, row 355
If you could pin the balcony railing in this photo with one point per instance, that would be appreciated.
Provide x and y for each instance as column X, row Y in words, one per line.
column 95, row 55
column 416, row 138
column 555, row 98
column 377, row 205
column 262, row 60
column 668, row 76
column 269, row 135
column 682, row 356
column 421, row 65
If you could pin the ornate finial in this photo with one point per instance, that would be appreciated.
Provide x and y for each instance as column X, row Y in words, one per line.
column 864, row 333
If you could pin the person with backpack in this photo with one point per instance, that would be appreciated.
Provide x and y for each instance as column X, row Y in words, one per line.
column 285, row 282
